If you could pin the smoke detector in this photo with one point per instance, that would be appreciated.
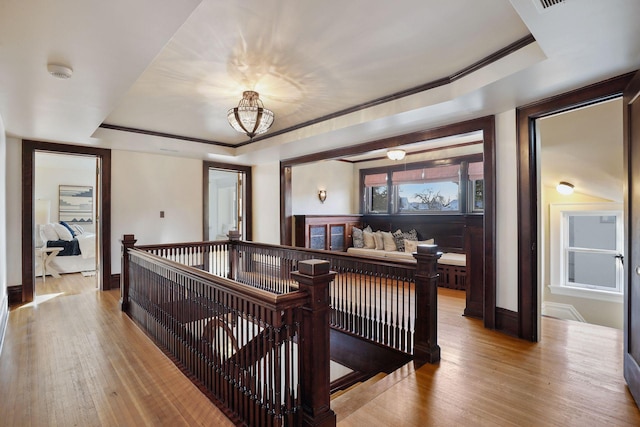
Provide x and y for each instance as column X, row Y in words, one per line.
column 59, row 71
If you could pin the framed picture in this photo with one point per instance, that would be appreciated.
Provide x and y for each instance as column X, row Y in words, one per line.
column 76, row 204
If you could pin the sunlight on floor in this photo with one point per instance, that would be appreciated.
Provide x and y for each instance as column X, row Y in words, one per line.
column 39, row 299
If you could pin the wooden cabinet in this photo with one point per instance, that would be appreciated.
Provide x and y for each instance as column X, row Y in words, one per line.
column 328, row 232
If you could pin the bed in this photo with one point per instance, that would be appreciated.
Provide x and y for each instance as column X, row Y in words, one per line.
column 78, row 252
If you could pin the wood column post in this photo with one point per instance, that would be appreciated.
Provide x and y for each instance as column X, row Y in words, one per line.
column 234, row 258
column 314, row 278
column 426, row 348
column 128, row 241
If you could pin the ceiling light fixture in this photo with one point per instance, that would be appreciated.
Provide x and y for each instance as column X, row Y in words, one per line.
column 250, row 116
column 59, row 71
column 564, row 188
column 396, row 154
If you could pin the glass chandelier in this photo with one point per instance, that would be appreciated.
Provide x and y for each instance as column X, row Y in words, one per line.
column 250, row 116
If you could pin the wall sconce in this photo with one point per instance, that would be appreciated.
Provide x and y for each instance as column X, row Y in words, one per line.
column 564, row 188
column 322, row 195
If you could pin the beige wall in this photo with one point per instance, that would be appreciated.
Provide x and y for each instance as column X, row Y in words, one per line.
column 142, row 185
column 335, row 177
column 266, row 203
column 4, row 301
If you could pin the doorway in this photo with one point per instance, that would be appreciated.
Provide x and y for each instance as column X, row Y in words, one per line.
column 226, row 201
column 529, row 298
column 582, row 222
column 102, row 196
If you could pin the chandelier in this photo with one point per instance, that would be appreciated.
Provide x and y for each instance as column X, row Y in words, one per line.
column 396, row 154
column 250, row 116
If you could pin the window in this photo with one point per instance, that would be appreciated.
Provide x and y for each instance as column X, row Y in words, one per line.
column 586, row 250
column 425, row 188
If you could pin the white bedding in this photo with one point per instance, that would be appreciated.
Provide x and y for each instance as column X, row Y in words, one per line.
column 87, row 243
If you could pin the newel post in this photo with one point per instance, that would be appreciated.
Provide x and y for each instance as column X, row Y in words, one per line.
column 426, row 348
column 128, row 242
column 314, row 277
column 234, row 258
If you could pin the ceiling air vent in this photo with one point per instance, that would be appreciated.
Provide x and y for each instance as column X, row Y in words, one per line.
column 543, row 5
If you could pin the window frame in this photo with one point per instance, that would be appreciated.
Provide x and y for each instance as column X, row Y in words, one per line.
column 559, row 250
column 464, row 186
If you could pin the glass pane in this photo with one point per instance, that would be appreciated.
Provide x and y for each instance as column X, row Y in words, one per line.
column 432, row 196
column 337, row 237
column 592, row 231
column 477, row 192
column 379, row 199
column 592, row 269
column 317, row 237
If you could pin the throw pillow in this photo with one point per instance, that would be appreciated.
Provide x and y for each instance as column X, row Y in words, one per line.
column 358, row 237
column 49, row 233
column 399, row 236
column 68, row 227
column 377, row 236
column 369, row 241
column 411, row 246
column 63, row 233
column 389, row 242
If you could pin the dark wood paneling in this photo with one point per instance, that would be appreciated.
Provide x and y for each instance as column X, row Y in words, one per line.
column 303, row 222
column 507, row 321
column 15, row 294
column 104, row 191
column 474, row 249
column 528, row 192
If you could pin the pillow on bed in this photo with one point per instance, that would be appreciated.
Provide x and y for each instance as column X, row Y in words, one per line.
column 400, row 236
column 49, row 233
column 68, row 227
column 411, row 246
column 389, row 242
column 63, row 232
column 358, row 237
column 78, row 230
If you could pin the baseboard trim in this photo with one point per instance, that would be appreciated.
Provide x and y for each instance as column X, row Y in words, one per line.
column 561, row 311
column 4, row 318
column 115, row 281
column 507, row 321
column 14, row 294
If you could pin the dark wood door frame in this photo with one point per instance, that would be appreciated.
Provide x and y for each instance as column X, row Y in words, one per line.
column 527, row 154
column 29, row 149
column 485, row 124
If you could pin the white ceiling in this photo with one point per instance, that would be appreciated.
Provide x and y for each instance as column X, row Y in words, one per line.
column 176, row 67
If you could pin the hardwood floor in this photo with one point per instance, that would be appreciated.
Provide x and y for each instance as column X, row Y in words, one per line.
column 74, row 359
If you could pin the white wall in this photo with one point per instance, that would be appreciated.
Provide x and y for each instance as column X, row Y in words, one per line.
column 142, row 185
column 53, row 170
column 266, row 203
column 4, row 300
column 14, row 211
column 506, row 212
column 337, row 178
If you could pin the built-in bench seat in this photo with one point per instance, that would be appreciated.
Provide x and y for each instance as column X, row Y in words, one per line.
column 451, row 265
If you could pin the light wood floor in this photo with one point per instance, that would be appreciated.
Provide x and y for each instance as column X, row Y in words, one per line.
column 75, row 359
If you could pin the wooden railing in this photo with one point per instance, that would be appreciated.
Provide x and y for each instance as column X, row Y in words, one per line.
column 255, row 352
column 372, row 299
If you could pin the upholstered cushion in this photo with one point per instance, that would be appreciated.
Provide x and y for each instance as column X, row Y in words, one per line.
column 358, row 237
column 400, row 236
column 389, row 242
column 377, row 236
column 412, row 245
column 63, row 232
column 369, row 241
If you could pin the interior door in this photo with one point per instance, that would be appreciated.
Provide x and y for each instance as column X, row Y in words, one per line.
column 632, row 198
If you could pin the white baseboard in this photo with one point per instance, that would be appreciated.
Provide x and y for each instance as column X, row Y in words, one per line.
column 4, row 317
column 561, row 311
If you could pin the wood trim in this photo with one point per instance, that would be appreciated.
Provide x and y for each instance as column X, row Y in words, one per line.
column 507, row 321
column 15, row 294
column 527, row 188
column 29, row 149
column 248, row 197
column 485, row 124
column 488, row 60
column 414, row 153
column 115, row 281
